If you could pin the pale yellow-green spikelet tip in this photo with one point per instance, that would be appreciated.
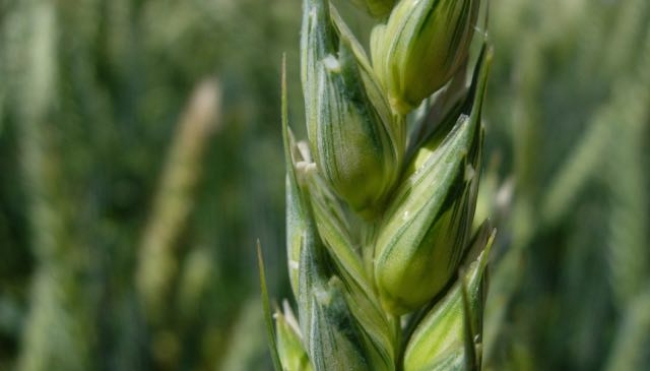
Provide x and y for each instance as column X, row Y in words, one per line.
column 422, row 240
column 421, row 46
column 449, row 333
column 289, row 342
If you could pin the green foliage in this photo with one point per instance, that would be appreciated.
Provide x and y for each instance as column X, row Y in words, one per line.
column 127, row 216
column 94, row 96
column 571, row 95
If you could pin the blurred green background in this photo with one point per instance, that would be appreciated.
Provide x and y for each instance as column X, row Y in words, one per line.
column 140, row 160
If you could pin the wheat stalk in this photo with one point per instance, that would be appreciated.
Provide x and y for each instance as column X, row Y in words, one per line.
column 380, row 200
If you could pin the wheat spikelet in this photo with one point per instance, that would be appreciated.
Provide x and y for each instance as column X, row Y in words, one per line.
column 378, row 226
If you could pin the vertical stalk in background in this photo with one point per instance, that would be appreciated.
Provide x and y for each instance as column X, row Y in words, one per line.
column 628, row 182
column 526, row 132
column 242, row 347
column 158, row 264
column 56, row 334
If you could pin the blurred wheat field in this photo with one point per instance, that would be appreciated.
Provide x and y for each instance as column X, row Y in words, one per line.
column 141, row 158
